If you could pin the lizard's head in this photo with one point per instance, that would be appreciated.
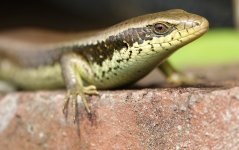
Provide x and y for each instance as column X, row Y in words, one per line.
column 161, row 33
column 173, row 28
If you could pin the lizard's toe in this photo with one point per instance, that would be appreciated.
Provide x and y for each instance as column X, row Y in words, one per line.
column 91, row 90
column 182, row 79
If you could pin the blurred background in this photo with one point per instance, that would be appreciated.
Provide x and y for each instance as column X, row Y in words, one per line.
column 219, row 46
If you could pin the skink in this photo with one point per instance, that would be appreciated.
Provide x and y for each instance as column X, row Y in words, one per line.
column 105, row 59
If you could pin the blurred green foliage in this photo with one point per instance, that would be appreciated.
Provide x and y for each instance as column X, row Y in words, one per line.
column 217, row 47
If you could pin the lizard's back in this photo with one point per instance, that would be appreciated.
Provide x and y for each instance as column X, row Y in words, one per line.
column 35, row 47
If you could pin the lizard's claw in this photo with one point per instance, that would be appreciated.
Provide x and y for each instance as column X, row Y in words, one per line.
column 66, row 101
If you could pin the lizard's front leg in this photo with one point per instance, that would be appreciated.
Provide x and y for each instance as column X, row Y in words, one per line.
column 75, row 68
column 174, row 76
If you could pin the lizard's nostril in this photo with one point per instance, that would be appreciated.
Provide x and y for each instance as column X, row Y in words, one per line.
column 197, row 23
column 202, row 22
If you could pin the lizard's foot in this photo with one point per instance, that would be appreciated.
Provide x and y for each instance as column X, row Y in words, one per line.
column 73, row 94
column 91, row 90
column 182, row 79
column 175, row 77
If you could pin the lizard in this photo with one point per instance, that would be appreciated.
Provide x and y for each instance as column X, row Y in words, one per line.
column 113, row 57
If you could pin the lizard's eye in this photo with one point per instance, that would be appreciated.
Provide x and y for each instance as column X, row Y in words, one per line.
column 160, row 28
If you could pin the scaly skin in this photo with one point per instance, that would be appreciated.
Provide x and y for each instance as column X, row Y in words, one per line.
column 116, row 56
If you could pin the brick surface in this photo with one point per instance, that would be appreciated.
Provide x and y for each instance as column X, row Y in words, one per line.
column 203, row 117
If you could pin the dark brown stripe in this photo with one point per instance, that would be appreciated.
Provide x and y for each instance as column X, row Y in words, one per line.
column 113, row 43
